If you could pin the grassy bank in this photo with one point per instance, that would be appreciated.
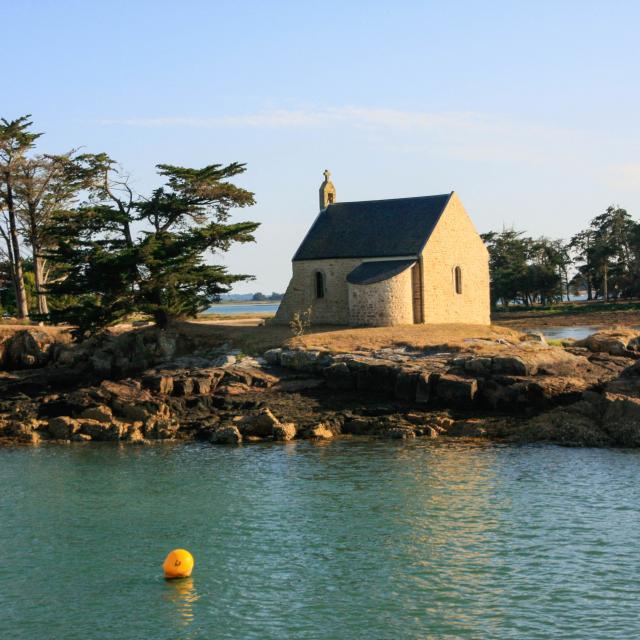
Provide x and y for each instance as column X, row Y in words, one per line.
column 595, row 313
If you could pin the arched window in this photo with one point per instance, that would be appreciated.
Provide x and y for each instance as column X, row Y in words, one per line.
column 319, row 281
column 457, row 276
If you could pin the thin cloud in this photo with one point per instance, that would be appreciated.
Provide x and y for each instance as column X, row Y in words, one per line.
column 463, row 135
column 362, row 116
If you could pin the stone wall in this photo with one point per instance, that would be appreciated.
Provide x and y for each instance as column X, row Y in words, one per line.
column 301, row 292
column 455, row 242
column 382, row 303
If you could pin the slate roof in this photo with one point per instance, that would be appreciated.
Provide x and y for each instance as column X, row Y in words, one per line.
column 378, row 270
column 373, row 228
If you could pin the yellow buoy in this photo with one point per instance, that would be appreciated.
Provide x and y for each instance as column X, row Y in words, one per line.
column 178, row 564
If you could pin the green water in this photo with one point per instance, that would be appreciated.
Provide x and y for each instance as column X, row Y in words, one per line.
column 346, row 540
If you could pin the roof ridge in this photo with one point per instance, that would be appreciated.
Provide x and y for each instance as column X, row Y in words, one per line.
column 436, row 195
column 373, row 228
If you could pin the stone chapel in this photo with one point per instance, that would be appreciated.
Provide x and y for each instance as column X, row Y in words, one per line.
column 389, row 262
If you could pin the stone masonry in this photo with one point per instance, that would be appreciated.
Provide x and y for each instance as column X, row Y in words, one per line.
column 383, row 303
column 453, row 243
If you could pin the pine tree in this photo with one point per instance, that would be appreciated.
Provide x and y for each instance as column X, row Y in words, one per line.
column 16, row 140
column 162, row 271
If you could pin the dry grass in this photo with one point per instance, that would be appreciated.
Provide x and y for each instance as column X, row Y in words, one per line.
column 254, row 339
column 413, row 336
column 61, row 334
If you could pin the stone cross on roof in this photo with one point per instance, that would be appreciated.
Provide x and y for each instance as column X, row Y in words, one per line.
column 327, row 191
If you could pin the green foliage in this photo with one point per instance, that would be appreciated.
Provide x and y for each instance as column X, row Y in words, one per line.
column 608, row 255
column 604, row 259
column 525, row 270
column 161, row 271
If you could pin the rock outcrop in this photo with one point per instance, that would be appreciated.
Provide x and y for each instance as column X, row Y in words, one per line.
column 518, row 390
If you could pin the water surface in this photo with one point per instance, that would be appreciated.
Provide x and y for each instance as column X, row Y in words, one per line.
column 351, row 539
column 244, row 308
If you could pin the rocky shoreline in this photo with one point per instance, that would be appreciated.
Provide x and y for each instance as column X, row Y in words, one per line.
column 150, row 385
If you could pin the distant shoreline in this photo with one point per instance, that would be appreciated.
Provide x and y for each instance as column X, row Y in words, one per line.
column 241, row 302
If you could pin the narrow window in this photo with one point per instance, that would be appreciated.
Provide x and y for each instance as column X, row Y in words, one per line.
column 319, row 284
column 457, row 272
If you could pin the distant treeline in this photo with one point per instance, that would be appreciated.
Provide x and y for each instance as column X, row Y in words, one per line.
column 251, row 297
column 261, row 297
column 603, row 260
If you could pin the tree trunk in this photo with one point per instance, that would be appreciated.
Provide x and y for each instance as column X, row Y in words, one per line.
column 605, row 282
column 38, row 268
column 12, row 273
column 161, row 318
column 21, row 292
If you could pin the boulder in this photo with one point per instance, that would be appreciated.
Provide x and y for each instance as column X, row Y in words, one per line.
column 320, row 432
column 81, row 437
column 398, row 433
column 284, row 431
column 261, row 425
column 183, row 387
column 202, row 385
column 101, row 431
column 299, row 359
column 62, row 427
column 28, row 436
column 376, row 377
column 406, row 385
column 158, row 383
column 428, row 432
column 124, row 391
column 423, row 387
column 569, row 426
column 358, row 426
column 272, row 356
column 134, row 434
column 161, row 429
column 339, row 377
column 616, row 342
column 228, row 434
column 621, row 419
column 250, row 376
column 225, row 360
column 456, row 390
column 555, row 361
column 534, row 336
column 165, row 346
column 101, row 413
column 28, row 349
column 480, row 366
column 510, row 366
column 147, row 413
column 467, row 429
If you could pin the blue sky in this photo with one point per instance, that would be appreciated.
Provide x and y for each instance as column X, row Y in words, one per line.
column 530, row 111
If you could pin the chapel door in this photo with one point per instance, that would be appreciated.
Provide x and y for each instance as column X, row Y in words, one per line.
column 416, row 293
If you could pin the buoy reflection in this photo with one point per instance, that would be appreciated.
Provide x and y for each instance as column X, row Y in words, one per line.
column 183, row 594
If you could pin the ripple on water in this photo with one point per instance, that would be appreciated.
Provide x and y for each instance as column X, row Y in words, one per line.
column 350, row 539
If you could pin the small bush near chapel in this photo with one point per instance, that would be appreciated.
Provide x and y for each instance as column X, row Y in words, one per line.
column 300, row 322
